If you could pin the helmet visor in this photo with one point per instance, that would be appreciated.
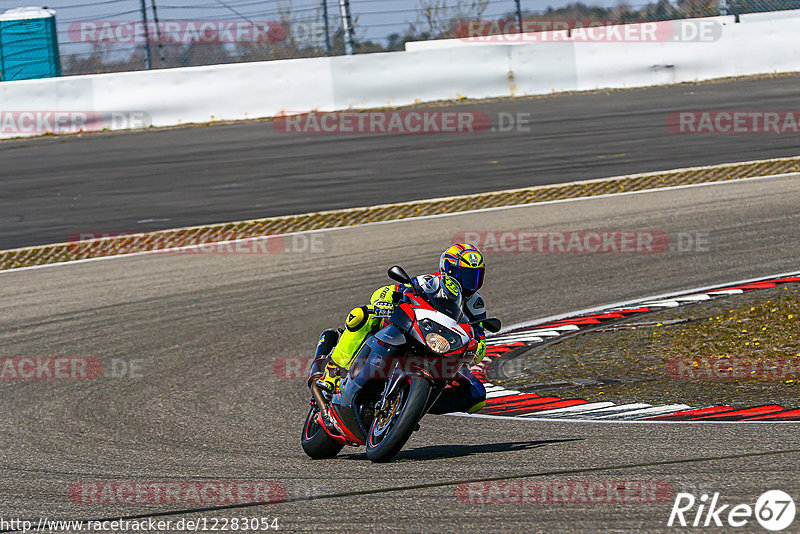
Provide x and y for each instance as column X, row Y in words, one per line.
column 471, row 278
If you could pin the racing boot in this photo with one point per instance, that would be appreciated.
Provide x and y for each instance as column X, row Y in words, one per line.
column 329, row 382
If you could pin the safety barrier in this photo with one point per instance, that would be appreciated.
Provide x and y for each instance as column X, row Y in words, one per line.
column 760, row 43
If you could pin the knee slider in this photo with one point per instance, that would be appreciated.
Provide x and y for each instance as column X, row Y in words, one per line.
column 357, row 319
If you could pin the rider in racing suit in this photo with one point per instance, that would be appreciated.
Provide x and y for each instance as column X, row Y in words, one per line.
column 464, row 262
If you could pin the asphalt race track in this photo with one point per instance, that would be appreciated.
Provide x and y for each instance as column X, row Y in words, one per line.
column 205, row 330
column 52, row 188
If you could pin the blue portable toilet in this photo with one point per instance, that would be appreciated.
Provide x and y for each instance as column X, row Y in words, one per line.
column 28, row 44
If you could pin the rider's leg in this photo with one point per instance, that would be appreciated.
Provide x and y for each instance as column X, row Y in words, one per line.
column 358, row 325
column 468, row 396
column 327, row 341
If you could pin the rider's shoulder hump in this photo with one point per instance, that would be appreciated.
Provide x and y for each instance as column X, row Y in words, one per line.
column 476, row 304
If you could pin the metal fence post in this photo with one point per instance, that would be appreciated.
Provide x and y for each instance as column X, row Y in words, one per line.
column 148, row 59
column 347, row 26
column 327, row 27
column 519, row 17
column 161, row 55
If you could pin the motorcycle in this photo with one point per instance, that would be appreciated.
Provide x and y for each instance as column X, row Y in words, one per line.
column 396, row 376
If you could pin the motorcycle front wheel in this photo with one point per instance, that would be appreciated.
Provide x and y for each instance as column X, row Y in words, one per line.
column 397, row 420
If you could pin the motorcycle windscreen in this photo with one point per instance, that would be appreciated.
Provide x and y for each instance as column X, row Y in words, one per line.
column 444, row 294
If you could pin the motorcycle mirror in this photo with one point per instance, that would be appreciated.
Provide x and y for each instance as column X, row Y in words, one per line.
column 397, row 274
column 492, row 325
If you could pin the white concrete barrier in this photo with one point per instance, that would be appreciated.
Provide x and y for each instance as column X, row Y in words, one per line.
column 528, row 38
column 427, row 71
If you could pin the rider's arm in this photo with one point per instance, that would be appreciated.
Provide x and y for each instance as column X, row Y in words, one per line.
column 475, row 308
column 385, row 298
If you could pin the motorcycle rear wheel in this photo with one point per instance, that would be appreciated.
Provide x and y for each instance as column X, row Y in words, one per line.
column 317, row 444
column 389, row 432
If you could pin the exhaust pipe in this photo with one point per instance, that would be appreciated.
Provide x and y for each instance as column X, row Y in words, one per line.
column 320, row 400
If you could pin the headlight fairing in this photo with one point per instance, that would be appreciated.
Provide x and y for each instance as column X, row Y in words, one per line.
column 437, row 343
column 453, row 340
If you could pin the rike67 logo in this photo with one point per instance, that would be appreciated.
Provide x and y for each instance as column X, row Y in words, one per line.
column 774, row 510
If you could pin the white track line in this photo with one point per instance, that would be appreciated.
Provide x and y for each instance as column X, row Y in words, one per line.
column 616, row 421
column 652, row 411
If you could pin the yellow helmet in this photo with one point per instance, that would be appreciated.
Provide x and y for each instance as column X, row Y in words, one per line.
column 464, row 262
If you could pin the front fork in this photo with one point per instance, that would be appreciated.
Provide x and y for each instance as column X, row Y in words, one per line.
column 399, row 376
column 391, row 386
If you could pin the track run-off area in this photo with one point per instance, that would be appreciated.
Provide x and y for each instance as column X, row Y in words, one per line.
column 190, row 392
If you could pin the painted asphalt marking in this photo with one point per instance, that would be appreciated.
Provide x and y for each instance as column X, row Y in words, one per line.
column 663, row 303
column 571, row 410
column 693, row 298
column 651, row 411
column 502, row 392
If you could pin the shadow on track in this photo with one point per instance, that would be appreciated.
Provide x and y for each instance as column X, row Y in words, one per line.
column 436, row 452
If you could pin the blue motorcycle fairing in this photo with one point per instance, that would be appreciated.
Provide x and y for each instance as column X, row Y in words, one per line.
column 391, row 335
column 401, row 320
column 367, row 366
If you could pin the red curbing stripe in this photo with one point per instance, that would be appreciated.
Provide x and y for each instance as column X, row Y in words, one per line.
column 526, row 403
column 741, row 414
column 634, row 310
column 524, row 410
column 689, row 414
column 578, row 321
column 497, row 350
column 564, row 403
column 787, row 279
column 509, row 398
column 748, row 287
column 517, row 399
column 789, row 415
column 589, row 319
column 605, row 316
column 766, row 284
